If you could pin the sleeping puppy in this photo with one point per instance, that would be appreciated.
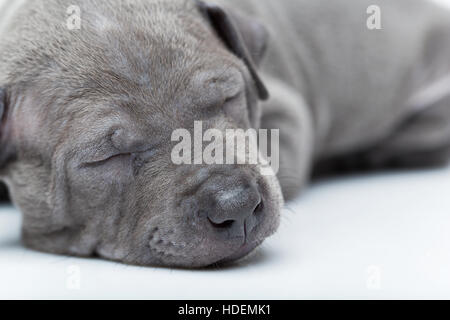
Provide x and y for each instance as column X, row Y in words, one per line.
column 91, row 95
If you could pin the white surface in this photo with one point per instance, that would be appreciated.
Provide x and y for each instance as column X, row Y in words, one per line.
column 378, row 236
column 382, row 236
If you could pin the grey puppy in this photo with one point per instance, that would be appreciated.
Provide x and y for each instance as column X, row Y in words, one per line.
column 87, row 115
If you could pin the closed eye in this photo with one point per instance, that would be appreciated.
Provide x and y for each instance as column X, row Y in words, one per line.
column 233, row 98
column 138, row 158
column 117, row 157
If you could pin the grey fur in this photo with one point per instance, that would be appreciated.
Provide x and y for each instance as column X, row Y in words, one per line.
column 137, row 70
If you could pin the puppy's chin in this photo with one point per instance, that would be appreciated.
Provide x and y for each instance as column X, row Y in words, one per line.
column 214, row 260
column 241, row 253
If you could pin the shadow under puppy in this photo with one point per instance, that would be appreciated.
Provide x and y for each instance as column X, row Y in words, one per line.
column 88, row 114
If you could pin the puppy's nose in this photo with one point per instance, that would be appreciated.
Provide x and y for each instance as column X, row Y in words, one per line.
column 233, row 210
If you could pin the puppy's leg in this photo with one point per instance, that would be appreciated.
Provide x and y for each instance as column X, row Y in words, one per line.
column 421, row 141
column 287, row 111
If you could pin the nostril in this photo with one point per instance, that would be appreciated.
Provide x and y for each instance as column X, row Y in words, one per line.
column 259, row 208
column 224, row 225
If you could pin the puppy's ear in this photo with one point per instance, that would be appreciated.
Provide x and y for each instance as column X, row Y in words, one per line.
column 244, row 36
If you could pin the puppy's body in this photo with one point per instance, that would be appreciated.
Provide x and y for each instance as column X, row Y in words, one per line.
column 337, row 89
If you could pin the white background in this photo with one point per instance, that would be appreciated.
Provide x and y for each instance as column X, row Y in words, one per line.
column 378, row 236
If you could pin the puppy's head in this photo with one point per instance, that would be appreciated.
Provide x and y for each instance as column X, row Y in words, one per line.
column 88, row 117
